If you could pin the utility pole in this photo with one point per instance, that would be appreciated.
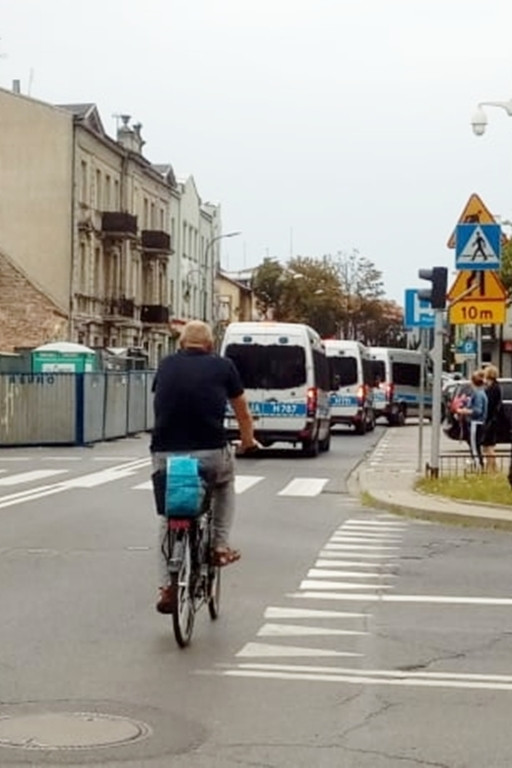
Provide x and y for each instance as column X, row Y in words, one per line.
column 436, row 295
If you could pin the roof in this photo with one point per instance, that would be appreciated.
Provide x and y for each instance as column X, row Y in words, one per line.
column 65, row 346
column 87, row 114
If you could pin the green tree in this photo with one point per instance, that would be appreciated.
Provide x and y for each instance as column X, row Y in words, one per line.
column 362, row 289
column 267, row 285
column 506, row 266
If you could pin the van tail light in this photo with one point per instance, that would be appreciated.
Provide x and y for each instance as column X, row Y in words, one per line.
column 390, row 391
column 311, row 401
column 361, row 395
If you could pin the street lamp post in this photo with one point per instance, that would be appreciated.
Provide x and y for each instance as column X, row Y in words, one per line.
column 209, row 244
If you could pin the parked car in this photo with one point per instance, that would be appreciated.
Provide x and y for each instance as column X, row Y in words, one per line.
column 452, row 425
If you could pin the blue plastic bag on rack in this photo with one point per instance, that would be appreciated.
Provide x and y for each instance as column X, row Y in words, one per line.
column 185, row 489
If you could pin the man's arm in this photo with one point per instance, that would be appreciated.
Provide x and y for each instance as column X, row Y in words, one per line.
column 245, row 423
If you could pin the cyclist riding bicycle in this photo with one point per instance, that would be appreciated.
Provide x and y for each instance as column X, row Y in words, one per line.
column 191, row 391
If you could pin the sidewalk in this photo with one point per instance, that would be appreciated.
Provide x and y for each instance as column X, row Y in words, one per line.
column 386, row 478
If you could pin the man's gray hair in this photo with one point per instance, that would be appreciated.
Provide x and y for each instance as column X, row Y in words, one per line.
column 197, row 334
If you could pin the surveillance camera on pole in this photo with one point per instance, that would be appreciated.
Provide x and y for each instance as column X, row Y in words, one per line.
column 436, row 296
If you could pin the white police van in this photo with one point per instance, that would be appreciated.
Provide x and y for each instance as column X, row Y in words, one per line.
column 397, row 384
column 351, row 377
column 284, row 371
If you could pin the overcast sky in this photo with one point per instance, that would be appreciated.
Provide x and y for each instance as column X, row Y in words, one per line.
column 318, row 125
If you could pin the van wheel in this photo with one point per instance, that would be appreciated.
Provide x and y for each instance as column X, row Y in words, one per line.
column 311, row 448
column 371, row 422
column 325, row 444
column 362, row 425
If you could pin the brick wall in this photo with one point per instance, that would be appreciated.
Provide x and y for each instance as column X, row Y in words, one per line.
column 27, row 317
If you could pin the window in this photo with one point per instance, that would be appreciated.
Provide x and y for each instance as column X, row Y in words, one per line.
column 152, row 220
column 146, row 213
column 343, row 371
column 272, row 366
column 108, row 192
column 83, row 182
column 98, row 190
column 83, row 269
column 321, row 368
column 407, row 374
column 98, row 288
column 368, row 375
column 379, row 370
column 117, row 200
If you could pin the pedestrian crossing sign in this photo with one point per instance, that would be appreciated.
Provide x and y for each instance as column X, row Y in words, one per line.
column 477, row 246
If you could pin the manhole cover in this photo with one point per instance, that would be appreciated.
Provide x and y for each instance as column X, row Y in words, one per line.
column 70, row 730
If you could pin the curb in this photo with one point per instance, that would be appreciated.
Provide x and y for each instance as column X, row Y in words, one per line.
column 438, row 516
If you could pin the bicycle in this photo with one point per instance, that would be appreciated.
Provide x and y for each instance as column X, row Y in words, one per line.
column 193, row 577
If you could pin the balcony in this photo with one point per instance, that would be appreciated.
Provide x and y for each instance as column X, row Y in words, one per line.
column 154, row 314
column 123, row 308
column 118, row 225
column 155, row 243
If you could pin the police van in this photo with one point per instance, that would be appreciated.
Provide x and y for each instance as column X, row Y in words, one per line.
column 283, row 367
column 351, row 375
column 397, row 384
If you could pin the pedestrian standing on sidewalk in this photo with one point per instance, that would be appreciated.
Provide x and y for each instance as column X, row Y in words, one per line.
column 494, row 410
column 476, row 410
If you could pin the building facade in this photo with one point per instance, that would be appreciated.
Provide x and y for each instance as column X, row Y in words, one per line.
column 119, row 252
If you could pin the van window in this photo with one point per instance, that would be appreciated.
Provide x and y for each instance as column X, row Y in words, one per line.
column 273, row 366
column 379, row 370
column 321, row 367
column 368, row 376
column 344, row 370
column 407, row 374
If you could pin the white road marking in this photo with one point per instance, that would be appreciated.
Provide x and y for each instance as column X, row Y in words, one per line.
column 304, row 486
column 309, row 613
column 324, row 573
column 332, row 563
column 430, row 599
column 147, row 485
column 336, row 550
column 264, row 649
column 368, row 535
column 340, row 585
column 82, row 481
column 372, row 677
column 299, row 630
column 29, row 477
column 378, row 524
column 349, row 538
column 244, row 482
column 373, row 547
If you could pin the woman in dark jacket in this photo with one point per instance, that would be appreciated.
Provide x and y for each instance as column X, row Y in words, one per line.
column 494, row 409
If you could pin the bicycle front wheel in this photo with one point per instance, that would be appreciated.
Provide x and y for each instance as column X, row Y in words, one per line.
column 183, row 613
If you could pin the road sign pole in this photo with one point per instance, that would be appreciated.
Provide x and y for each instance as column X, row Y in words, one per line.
column 422, row 398
column 478, row 346
column 437, row 358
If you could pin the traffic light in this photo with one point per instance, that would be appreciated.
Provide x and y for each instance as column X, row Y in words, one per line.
column 436, row 295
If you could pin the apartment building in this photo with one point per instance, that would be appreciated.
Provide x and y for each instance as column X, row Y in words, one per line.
column 97, row 245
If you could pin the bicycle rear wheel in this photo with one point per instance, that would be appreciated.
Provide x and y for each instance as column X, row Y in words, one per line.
column 183, row 613
column 213, row 591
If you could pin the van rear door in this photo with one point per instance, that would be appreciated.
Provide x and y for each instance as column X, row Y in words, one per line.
column 284, row 383
column 345, row 374
column 247, row 353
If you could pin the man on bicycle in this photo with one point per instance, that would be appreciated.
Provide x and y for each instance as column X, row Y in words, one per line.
column 191, row 391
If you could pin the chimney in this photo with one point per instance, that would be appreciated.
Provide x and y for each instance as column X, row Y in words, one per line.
column 16, row 86
column 130, row 138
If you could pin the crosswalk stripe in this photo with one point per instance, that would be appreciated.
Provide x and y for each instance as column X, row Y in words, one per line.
column 31, row 476
column 333, row 563
column 274, row 612
column 324, row 573
column 298, row 630
column 265, row 649
column 321, row 584
column 244, row 482
column 304, row 486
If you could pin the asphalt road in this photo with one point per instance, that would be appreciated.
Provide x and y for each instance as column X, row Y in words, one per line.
column 347, row 637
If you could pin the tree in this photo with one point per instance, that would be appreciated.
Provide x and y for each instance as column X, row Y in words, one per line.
column 362, row 289
column 267, row 285
column 506, row 266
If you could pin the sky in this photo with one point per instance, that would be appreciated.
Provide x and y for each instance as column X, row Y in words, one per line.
column 320, row 126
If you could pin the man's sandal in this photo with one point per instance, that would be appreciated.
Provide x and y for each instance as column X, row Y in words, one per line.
column 225, row 556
